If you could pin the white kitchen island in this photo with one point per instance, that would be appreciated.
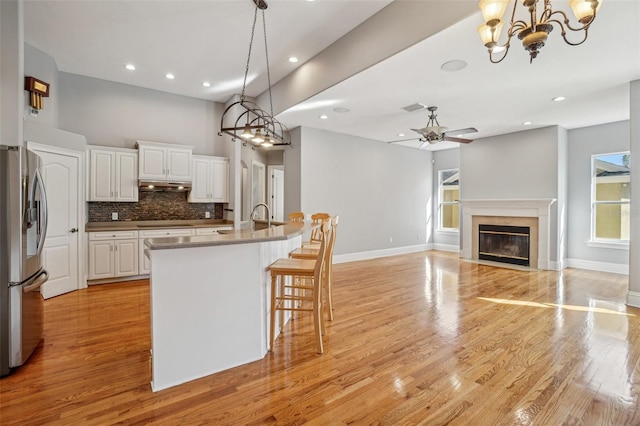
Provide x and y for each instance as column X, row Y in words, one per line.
column 210, row 300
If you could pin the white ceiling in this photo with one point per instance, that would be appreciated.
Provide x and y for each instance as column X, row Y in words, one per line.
column 208, row 40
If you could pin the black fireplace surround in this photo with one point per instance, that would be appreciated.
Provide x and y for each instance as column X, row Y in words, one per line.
column 506, row 244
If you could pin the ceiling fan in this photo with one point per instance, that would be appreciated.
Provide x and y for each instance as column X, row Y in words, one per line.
column 434, row 132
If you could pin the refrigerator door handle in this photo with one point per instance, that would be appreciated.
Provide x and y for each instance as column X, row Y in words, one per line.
column 36, row 282
column 45, row 211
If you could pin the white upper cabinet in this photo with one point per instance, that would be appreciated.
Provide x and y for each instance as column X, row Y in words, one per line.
column 210, row 180
column 113, row 175
column 160, row 161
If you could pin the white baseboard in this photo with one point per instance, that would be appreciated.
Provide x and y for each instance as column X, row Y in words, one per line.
column 446, row 247
column 556, row 266
column 373, row 254
column 633, row 299
column 592, row 265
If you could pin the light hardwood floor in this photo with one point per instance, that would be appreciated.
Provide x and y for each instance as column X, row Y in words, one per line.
column 423, row 338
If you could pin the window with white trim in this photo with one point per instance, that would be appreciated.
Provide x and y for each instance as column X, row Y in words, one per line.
column 610, row 197
column 449, row 194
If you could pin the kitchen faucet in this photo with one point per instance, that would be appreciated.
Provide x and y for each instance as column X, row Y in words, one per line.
column 253, row 223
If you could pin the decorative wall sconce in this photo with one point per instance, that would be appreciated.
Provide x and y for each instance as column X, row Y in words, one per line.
column 37, row 89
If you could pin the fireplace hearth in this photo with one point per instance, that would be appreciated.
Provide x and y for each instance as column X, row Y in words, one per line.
column 506, row 244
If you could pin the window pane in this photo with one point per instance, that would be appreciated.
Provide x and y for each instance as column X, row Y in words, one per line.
column 612, row 221
column 612, row 180
column 450, row 194
column 450, row 216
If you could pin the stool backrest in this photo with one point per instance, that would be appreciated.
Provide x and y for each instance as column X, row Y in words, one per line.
column 317, row 219
column 296, row 217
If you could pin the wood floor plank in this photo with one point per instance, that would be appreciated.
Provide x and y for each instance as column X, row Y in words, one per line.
column 424, row 338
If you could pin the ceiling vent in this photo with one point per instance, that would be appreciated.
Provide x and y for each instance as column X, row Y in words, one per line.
column 414, row 107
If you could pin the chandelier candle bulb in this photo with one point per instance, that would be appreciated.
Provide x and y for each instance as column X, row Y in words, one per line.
column 534, row 31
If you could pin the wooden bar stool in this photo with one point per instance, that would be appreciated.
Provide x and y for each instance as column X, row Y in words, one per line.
column 297, row 295
column 296, row 217
column 312, row 253
column 317, row 219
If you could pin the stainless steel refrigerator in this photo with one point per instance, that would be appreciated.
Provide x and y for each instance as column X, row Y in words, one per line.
column 23, row 227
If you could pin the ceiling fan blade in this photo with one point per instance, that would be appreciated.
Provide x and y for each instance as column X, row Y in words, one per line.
column 420, row 131
column 461, row 131
column 459, row 140
column 405, row 140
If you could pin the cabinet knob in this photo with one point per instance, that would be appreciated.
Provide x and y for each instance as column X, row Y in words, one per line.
column 73, row 230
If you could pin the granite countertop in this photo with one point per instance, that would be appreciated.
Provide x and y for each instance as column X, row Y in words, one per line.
column 125, row 225
column 238, row 236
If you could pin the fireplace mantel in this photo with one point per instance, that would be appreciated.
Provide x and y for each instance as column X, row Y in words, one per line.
column 532, row 208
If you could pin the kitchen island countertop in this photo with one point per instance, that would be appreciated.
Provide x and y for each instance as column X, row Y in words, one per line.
column 238, row 236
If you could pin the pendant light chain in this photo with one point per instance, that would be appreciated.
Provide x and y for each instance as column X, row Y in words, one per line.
column 266, row 53
column 246, row 70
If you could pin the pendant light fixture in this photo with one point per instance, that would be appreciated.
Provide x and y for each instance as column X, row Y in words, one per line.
column 534, row 31
column 252, row 123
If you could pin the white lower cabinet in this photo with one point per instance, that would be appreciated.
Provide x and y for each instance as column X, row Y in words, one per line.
column 143, row 260
column 113, row 254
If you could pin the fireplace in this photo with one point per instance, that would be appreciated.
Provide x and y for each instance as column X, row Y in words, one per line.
column 506, row 244
column 530, row 213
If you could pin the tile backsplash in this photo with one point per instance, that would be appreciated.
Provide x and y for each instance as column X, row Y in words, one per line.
column 155, row 206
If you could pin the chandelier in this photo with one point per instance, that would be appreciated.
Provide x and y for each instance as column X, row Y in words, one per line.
column 253, row 124
column 533, row 32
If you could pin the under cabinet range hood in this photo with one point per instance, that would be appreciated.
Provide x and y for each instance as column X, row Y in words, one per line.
column 159, row 185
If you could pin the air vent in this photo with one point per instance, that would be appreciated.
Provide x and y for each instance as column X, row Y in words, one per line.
column 414, row 107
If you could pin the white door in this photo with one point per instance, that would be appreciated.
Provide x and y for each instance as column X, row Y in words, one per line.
column 61, row 247
column 258, row 188
column 276, row 193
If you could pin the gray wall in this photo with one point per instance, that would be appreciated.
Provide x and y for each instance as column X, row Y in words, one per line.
column 583, row 143
column 445, row 159
column 516, row 166
column 293, row 174
column 380, row 191
column 114, row 114
column 43, row 67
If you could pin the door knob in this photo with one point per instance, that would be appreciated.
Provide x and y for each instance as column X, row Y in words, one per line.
column 74, row 230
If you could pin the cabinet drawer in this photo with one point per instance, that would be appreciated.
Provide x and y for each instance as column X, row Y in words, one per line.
column 157, row 233
column 112, row 235
column 212, row 231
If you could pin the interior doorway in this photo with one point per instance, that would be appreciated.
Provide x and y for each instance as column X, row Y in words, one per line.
column 63, row 259
column 276, row 192
column 258, row 188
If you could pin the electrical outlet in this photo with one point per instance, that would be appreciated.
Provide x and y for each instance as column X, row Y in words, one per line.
column 114, row 216
column 207, row 215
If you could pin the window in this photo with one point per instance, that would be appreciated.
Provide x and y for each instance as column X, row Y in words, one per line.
column 449, row 193
column 610, row 197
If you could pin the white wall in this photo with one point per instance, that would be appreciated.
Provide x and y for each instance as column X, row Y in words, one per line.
column 445, row 159
column 380, row 191
column 583, row 143
column 516, row 166
column 11, row 72
column 114, row 114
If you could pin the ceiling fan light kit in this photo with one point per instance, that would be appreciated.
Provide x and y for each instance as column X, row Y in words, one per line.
column 433, row 132
column 533, row 33
column 249, row 117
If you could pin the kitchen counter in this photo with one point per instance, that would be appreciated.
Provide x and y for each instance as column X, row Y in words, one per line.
column 238, row 236
column 128, row 225
column 210, row 300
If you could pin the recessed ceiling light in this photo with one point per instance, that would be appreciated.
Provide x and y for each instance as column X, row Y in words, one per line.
column 130, row 67
column 206, row 84
column 454, row 65
column 341, row 110
column 170, row 76
column 323, row 117
column 527, row 123
column 293, row 59
column 558, row 99
column 401, row 134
